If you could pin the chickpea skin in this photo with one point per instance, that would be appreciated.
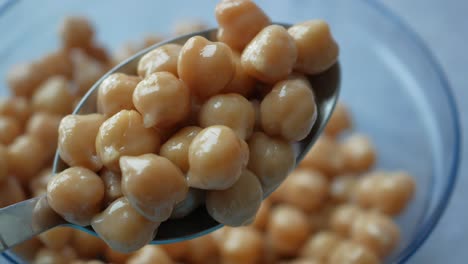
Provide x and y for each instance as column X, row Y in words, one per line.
column 242, row 83
column 53, row 97
column 25, row 150
column 23, row 79
column 153, row 185
column 45, row 128
column 57, row 63
column 231, row 110
column 162, row 99
column 340, row 121
column 9, row 129
column 216, row 159
column 366, row 189
column 206, row 67
column 17, row 108
column 176, row 148
column 358, row 153
column 124, row 135
column 395, row 190
column 342, row 188
column 76, row 32
column 261, row 58
column 113, row 184
column 352, row 253
column 76, row 140
column 115, row 93
column 324, row 156
column 161, row 59
column 320, row 246
column 150, row 254
column 242, row 245
column 77, row 194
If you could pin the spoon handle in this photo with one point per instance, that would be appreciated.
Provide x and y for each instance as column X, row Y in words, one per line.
column 19, row 222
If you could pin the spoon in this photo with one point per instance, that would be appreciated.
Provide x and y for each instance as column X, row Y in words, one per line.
column 21, row 221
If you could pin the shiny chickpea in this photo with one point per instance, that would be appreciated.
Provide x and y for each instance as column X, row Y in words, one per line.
column 352, row 253
column 57, row 63
column 395, row 190
column 76, row 140
column 45, row 128
column 9, row 130
column 320, row 245
column 112, row 183
column 76, row 32
column 11, row 192
column 289, row 110
column 203, row 250
column 53, row 97
column 86, row 245
column 342, row 188
column 317, row 51
column 206, row 67
column 86, row 71
column 161, row 59
column 242, row 83
column 115, row 93
column 324, row 156
column 239, row 21
column 50, row 256
column 261, row 58
column 176, row 251
column 340, row 121
column 242, row 245
column 153, row 185
column 3, row 163
column 271, row 159
column 162, row 99
column 358, row 153
column 263, row 214
column 124, row 135
column 56, row 238
column 77, row 194
column 150, row 254
column 25, row 150
column 366, row 189
column 343, row 217
column 123, row 228
column 17, row 108
column 23, row 79
column 287, row 229
column 231, row 110
column 194, row 198
column 188, row 26
column 115, row 256
column 216, row 159
column 176, row 148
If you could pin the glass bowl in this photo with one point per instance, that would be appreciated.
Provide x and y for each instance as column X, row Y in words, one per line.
column 394, row 87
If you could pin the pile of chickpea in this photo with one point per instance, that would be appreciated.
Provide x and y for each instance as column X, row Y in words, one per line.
column 176, row 136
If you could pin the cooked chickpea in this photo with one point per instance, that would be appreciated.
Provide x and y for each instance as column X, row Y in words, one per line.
column 57, row 238
column 86, row 71
column 340, row 121
column 25, row 157
column 115, row 93
column 239, row 21
column 320, row 246
column 123, row 228
column 188, row 26
column 177, row 250
column 98, row 52
column 11, row 192
column 56, row 63
column 231, row 110
column 3, row 163
column 366, row 189
column 271, row 55
column 342, row 188
column 242, row 245
column 176, row 148
column 50, row 256
column 76, row 140
column 150, row 254
column 77, row 194
column 124, row 135
column 352, row 253
column 38, row 185
column 241, row 83
column 287, row 229
column 216, row 159
column 9, row 130
column 17, row 108
column 358, row 153
column 45, row 128
column 324, row 156
column 343, row 218
column 262, row 216
column 53, row 97
column 76, row 32
column 302, row 261
column 162, row 99
column 28, row 249
column 258, row 121
column 153, row 185
column 271, row 159
column 23, row 79
column 161, row 59
column 395, row 190
column 94, row 261
column 206, row 67
column 203, row 250
column 116, row 256
column 194, row 198
column 86, row 245
column 112, row 182
column 289, row 110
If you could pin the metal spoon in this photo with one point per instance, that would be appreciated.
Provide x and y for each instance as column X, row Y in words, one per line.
column 21, row 221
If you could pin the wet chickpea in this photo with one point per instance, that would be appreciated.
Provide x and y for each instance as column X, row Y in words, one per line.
column 112, row 183
column 176, row 148
column 76, row 140
column 123, row 228
column 377, row 232
column 320, row 245
column 53, row 97
column 239, row 21
column 86, row 71
column 76, row 32
column 366, row 189
column 45, row 128
column 11, row 192
column 263, row 214
column 340, row 121
column 9, row 130
column 352, row 253
column 261, row 58
column 216, row 159
column 203, row 250
column 343, row 218
column 242, row 245
column 194, row 198
column 25, row 150
column 56, row 63
column 124, row 135
column 358, row 153
column 324, row 156
column 161, row 59
column 77, row 194
column 199, row 59
column 116, row 256
column 287, row 229
column 153, row 185
column 86, row 245
column 242, row 83
column 271, row 159
column 188, row 26
column 56, row 238
column 23, row 79
column 3, row 163
column 342, row 188
column 115, row 93
column 162, row 99
column 176, row 251
column 237, row 205
column 150, row 254
column 395, row 190
column 17, row 108
column 50, row 256
column 231, row 110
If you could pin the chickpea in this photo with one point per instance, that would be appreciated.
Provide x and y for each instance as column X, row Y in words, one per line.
column 242, row 83
column 150, row 254
column 321, row 219
column 239, row 21
column 17, row 108
column 11, row 192
column 76, row 194
column 324, row 156
column 393, row 193
column 358, row 153
column 262, row 216
column 302, row 261
column 231, row 110
column 340, row 121
column 242, row 245
column 206, row 67
column 203, row 250
column 50, row 256
column 287, row 229
column 177, row 147
column 343, row 218
column 45, row 128
column 289, row 110
column 3, row 163
column 176, row 251
column 9, row 129
column 115, row 93
column 98, row 52
column 57, row 238
column 195, row 197
column 76, row 140
column 86, row 245
column 342, row 188
column 216, row 159
column 94, row 261
column 124, row 135
column 123, row 228
column 161, row 59
column 116, row 256
column 76, row 32
column 366, row 189
column 23, row 79
column 352, row 253
column 53, row 97
column 38, row 185
column 271, row 55
column 112, row 183
column 25, row 158
column 320, row 246
column 124, row 52
column 377, row 232
column 152, row 185
column 219, row 235
column 258, row 121
column 188, row 26
column 271, row 159
column 162, row 99
column 56, row 63
column 28, row 249
column 86, row 71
